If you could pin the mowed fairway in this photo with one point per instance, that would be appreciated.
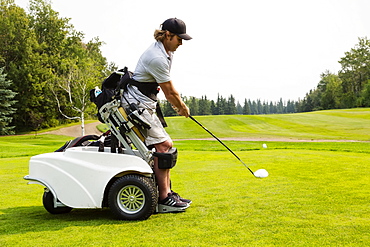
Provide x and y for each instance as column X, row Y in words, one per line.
column 317, row 193
column 349, row 124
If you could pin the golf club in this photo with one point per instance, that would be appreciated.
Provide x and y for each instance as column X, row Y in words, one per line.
column 261, row 173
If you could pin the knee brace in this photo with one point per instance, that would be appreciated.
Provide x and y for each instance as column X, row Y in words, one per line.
column 166, row 160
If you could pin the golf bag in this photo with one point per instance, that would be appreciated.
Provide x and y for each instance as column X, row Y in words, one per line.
column 110, row 89
column 126, row 125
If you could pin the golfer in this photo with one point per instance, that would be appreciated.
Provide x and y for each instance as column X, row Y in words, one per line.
column 153, row 72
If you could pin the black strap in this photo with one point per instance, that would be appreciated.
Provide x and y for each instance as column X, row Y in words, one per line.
column 158, row 110
column 150, row 89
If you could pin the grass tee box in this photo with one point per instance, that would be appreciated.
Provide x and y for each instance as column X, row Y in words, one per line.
column 260, row 173
column 317, row 193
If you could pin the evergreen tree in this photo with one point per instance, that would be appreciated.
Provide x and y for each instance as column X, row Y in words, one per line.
column 193, row 105
column 167, row 109
column 259, row 107
column 297, row 106
column 280, row 107
column 254, row 108
column 204, row 106
column 308, row 103
column 272, row 108
column 213, row 108
column 239, row 108
column 6, row 105
column 230, row 106
column 220, row 105
column 246, row 108
column 265, row 107
column 290, row 108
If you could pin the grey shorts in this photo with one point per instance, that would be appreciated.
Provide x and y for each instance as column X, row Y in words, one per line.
column 156, row 134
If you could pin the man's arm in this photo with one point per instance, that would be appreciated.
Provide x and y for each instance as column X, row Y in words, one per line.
column 174, row 98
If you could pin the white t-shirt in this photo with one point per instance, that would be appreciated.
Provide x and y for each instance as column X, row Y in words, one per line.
column 154, row 65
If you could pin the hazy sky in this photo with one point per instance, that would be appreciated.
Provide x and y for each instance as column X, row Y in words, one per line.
column 264, row 49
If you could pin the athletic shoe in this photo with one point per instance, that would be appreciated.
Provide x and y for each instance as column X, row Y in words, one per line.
column 171, row 204
column 173, row 201
column 176, row 195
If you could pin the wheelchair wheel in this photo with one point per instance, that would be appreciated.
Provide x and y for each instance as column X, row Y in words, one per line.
column 48, row 201
column 133, row 197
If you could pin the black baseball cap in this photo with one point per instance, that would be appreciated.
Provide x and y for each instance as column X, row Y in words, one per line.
column 176, row 26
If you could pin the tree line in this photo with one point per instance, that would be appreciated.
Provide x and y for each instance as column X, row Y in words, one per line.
column 229, row 106
column 46, row 67
column 348, row 88
column 47, row 70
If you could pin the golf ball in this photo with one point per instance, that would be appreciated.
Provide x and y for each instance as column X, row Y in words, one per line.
column 261, row 173
column 264, row 145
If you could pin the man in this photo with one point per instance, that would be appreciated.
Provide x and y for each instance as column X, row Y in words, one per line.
column 153, row 69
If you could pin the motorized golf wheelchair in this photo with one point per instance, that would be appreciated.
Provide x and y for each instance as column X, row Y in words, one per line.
column 113, row 170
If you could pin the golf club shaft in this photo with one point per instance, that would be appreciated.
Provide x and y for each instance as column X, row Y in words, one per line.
column 191, row 117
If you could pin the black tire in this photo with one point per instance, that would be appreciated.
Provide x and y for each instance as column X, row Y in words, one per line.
column 48, row 201
column 133, row 197
column 77, row 142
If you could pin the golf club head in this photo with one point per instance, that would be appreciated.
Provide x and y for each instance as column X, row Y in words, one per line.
column 261, row 173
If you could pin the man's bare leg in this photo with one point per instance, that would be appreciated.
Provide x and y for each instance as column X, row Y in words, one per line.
column 162, row 175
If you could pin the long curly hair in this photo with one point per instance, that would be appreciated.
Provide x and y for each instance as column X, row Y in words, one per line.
column 160, row 35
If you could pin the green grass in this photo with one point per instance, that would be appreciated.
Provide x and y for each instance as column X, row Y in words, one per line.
column 317, row 193
column 351, row 124
column 29, row 145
